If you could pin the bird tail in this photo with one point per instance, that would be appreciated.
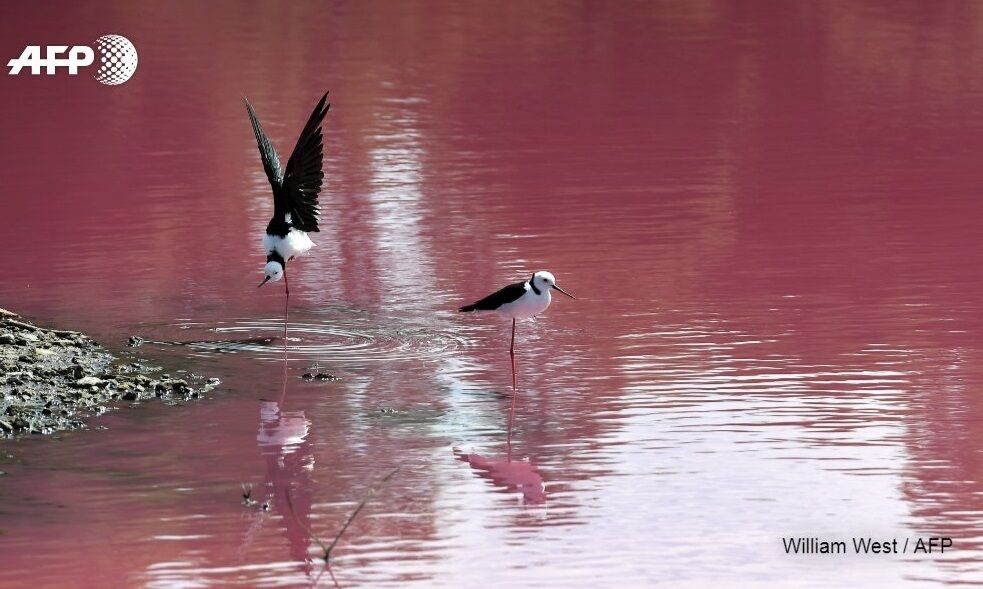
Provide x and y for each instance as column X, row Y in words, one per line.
column 467, row 308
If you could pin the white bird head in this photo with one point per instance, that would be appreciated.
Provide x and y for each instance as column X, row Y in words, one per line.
column 544, row 280
column 273, row 271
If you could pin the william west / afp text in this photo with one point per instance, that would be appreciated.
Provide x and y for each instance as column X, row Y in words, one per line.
column 867, row 545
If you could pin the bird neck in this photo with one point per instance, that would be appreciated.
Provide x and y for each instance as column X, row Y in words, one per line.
column 275, row 257
column 278, row 227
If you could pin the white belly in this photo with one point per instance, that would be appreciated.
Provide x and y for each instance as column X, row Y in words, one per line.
column 528, row 306
column 296, row 243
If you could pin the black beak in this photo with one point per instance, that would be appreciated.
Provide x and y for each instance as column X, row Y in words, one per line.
column 265, row 280
column 564, row 292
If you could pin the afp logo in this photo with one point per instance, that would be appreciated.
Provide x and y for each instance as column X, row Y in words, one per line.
column 117, row 59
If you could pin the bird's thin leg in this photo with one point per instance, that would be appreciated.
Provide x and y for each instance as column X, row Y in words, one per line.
column 514, row 391
column 286, row 312
column 512, row 355
column 283, row 388
column 286, row 308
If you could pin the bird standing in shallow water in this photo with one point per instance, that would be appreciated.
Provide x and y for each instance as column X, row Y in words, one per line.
column 520, row 300
column 295, row 192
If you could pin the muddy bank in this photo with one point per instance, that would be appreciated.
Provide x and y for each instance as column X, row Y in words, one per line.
column 52, row 380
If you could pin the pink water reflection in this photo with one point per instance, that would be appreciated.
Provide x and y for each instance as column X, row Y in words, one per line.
column 512, row 475
column 290, row 465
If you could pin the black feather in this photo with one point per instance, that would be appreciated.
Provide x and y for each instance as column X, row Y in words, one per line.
column 304, row 175
column 295, row 191
column 271, row 162
column 498, row 298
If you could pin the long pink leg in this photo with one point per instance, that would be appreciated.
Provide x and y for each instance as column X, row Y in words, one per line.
column 514, row 391
column 512, row 355
column 286, row 311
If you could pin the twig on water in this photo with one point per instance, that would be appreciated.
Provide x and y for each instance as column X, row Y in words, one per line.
column 327, row 548
column 29, row 327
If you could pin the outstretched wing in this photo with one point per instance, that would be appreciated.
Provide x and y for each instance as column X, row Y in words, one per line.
column 302, row 179
column 271, row 163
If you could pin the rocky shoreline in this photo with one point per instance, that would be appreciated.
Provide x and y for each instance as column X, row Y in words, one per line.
column 52, row 380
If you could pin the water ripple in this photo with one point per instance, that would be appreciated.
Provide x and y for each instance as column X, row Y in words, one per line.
column 343, row 342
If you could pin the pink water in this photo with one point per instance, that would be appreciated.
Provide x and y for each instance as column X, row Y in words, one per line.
column 770, row 213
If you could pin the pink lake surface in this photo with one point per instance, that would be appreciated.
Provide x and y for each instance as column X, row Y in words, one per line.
column 770, row 213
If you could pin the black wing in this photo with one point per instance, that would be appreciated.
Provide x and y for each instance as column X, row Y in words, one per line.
column 302, row 180
column 496, row 299
column 271, row 163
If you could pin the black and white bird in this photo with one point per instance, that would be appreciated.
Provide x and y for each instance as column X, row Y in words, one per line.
column 295, row 192
column 520, row 300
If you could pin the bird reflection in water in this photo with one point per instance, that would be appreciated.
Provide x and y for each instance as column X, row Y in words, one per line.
column 289, row 455
column 283, row 442
column 516, row 476
column 512, row 475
